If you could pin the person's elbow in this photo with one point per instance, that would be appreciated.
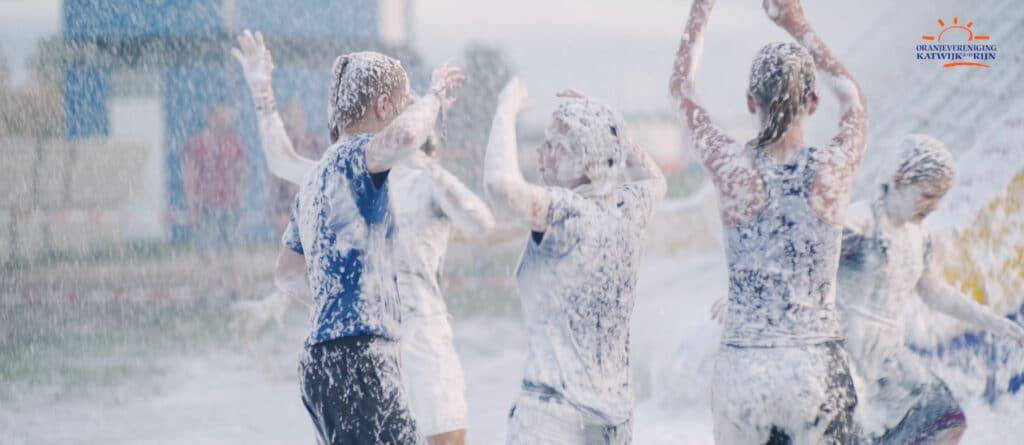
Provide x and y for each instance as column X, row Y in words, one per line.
column 406, row 136
column 930, row 288
column 483, row 224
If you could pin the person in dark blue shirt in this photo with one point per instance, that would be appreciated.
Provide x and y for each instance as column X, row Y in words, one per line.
column 338, row 245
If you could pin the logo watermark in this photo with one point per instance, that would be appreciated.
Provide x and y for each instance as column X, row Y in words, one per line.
column 974, row 51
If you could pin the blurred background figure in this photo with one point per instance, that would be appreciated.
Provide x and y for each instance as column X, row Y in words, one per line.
column 213, row 166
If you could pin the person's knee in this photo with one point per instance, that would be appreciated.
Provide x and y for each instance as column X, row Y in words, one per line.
column 457, row 437
column 951, row 436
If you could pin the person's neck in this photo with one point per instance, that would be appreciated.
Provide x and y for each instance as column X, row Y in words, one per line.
column 888, row 208
column 790, row 142
column 364, row 126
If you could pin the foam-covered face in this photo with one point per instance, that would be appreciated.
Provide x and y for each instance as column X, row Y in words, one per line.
column 914, row 202
column 559, row 164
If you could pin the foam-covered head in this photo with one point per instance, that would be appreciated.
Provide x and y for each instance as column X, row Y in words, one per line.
column 358, row 81
column 923, row 158
column 781, row 89
column 587, row 141
column 924, row 172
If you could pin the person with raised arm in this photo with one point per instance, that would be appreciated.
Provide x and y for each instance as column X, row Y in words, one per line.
column 886, row 259
column 428, row 201
column 781, row 372
column 577, row 275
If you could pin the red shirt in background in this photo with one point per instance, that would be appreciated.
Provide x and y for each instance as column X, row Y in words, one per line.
column 213, row 166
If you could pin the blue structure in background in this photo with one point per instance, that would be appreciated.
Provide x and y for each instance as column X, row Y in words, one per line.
column 183, row 45
column 85, row 96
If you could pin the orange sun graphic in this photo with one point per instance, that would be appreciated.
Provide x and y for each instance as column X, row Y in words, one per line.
column 971, row 36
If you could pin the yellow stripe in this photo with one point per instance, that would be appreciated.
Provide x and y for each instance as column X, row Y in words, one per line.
column 991, row 250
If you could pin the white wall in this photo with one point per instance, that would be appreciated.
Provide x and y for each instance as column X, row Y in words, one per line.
column 140, row 120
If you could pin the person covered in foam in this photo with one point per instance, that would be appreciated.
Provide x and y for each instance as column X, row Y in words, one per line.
column 781, row 372
column 341, row 236
column 428, row 201
column 577, row 275
column 886, row 258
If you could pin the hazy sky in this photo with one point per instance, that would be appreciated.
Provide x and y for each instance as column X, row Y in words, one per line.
column 616, row 50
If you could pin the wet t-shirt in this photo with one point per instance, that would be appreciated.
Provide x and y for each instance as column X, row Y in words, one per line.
column 342, row 223
column 880, row 266
column 421, row 244
column 577, row 284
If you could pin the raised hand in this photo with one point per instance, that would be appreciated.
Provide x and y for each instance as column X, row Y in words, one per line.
column 783, row 10
column 254, row 57
column 571, row 93
column 444, row 80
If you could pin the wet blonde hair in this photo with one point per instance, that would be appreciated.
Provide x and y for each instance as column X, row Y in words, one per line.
column 924, row 159
column 782, row 85
column 357, row 80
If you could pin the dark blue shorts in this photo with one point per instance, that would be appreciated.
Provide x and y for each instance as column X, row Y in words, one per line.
column 352, row 390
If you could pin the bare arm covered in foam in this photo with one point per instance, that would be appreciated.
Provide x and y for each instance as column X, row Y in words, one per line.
column 403, row 136
column 282, row 159
column 507, row 190
column 842, row 157
column 468, row 212
column 942, row 297
column 290, row 276
column 731, row 167
column 257, row 65
column 410, row 130
column 641, row 168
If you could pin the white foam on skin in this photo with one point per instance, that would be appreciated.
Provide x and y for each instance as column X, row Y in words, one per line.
column 772, row 9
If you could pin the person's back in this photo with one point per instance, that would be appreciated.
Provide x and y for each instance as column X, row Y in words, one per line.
column 782, row 263
column 429, row 203
column 781, row 372
column 343, row 226
column 422, row 242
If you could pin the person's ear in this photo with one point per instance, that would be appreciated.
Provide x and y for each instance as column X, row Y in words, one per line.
column 380, row 107
column 813, row 105
column 751, row 105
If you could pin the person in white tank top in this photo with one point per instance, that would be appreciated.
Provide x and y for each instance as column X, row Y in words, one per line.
column 781, row 372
